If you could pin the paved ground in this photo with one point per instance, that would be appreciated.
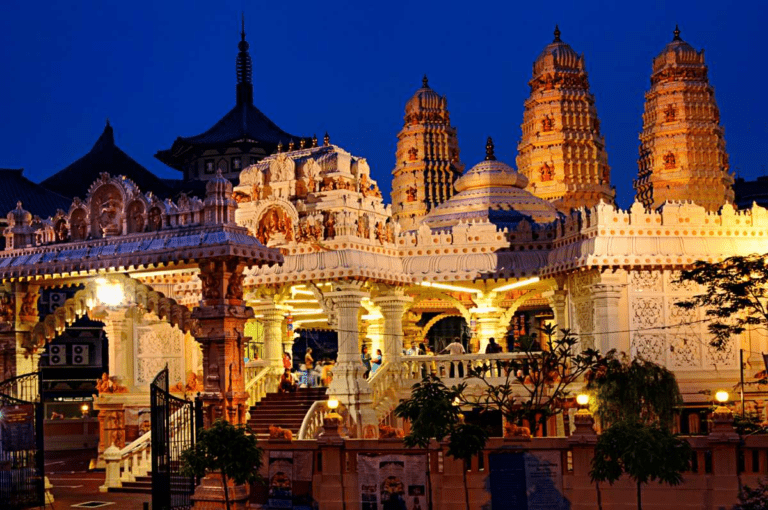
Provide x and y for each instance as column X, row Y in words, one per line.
column 71, row 489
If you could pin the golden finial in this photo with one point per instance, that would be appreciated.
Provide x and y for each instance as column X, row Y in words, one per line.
column 302, row 143
column 326, row 140
column 280, row 146
column 557, row 34
column 290, row 145
column 489, row 155
column 425, row 82
column 314, row 140
column 677, row 33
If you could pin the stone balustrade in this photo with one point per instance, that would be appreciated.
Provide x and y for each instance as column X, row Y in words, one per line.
column 260, row 379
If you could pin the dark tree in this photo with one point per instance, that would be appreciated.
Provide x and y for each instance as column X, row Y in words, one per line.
column 230, row 450
column 735, row 294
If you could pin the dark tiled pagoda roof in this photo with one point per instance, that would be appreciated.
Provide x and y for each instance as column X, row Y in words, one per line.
column 39, row 201
column 105, row 156
column 244, row 123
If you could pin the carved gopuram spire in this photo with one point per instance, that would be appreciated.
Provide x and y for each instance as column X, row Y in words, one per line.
column 682, row 146
column 562, row 152
column 427, row 158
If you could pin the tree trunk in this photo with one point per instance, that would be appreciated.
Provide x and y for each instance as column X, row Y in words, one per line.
column 599, row 496
column 226, row 489
column 639, row 500
column 466, row 488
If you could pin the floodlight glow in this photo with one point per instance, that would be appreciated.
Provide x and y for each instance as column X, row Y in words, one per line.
column 455, row 288
column 307, row 311
column 582, row 399
column 516, row 285
column 111, row 294
column 84, row 408
column 333, row 404
column 721, row 396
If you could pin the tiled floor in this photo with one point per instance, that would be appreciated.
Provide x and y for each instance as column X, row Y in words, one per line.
column 71, row 489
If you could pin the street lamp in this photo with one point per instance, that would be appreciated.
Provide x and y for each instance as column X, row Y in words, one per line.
column 722, row 397
column 582, row 399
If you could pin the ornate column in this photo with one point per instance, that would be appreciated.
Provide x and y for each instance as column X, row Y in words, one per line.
column 120, row 339
column 27, row 354
column 557, row 300
column 348, row 385
column 221, row 317
column 606, row 298
column 271, row 317
column 392, row 306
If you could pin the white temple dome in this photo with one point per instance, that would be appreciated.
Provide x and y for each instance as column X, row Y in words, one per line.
column 491, row 191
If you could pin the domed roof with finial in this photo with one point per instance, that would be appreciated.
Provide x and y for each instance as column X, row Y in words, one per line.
column 491, row 191
column 19, row 216
column 677, row 52
column 557, row 56
column 218, row 185
column 425, row 100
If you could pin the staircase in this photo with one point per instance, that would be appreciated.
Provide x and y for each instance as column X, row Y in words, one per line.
column 286, row 410
column 142, row 485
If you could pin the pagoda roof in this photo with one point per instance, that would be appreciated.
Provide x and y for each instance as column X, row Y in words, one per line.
column 35, row 198
column 105, row 156
column 243, row 123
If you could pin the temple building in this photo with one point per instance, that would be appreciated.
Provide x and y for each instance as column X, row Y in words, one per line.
column 304, row 239
column 682, row 146
column 562, row 152
column 427, row 158
column 241, row 138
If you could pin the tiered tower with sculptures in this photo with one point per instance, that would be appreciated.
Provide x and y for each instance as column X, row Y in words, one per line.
column 562, row 152
column 427, row 158
column 682, row 147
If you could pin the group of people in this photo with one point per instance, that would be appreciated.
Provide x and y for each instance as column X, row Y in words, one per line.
column 370, row 363
column 310, row 374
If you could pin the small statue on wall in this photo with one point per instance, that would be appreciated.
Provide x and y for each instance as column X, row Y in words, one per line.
column 193, row 384
column 546, row 172
column 330, row 225
column 155, row 219
column 7, row 307
column 108, row 207
column 670, row 114
column 28, row 305
column 669, row 160
column 547, row 124
column 413, row 154
column 62, row 232
column 108, row 385
column 410, row 193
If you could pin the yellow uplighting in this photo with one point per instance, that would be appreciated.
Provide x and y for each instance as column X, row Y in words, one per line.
column 455, row 288
column 109, row 293
column 372, row 316
column 722, row 396
column 333, row 404
column 84, row 408
column 582, row 399
column 516, row 285
column 303, row 292
column 308, row 311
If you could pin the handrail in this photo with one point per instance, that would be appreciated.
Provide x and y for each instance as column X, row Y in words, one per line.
column 311, row 419
column 258, row 382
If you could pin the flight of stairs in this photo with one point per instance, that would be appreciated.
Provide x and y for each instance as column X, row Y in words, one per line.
column 142, row 485
column 286, row 410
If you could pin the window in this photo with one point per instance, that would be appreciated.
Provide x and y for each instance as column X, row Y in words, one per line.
column 236, row 165
column 209, row 166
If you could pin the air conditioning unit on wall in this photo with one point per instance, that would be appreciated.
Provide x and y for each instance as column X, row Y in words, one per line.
column 57, row 355
column 81, row 354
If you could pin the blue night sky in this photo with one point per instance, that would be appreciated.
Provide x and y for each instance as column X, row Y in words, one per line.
column 160, row 70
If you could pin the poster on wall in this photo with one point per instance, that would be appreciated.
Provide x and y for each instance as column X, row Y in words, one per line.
column 290, row 480
column 17, row 428
column 527, row 481
column 393, row 482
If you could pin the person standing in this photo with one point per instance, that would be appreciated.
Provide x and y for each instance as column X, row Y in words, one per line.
column 365, row 358
column 376, row 362
column 455, row 348
column 308, row 359
column 287, row 363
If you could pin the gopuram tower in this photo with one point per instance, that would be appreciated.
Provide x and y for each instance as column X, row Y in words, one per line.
column 562, row 152
column 682, row 147
column 427, row 158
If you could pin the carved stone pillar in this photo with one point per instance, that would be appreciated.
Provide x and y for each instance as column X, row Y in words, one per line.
column 606, row 300
column 348, row 384
column 221, row 317
column 120, row 340
column 392, row 307
column 558, row 302
column 271, row 317
column 27, row 354
column 487, row 327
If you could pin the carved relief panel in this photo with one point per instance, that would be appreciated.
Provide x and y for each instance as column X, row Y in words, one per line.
column 156, row 345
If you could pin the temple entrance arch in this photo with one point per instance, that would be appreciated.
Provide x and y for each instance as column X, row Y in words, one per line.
column 442, row 329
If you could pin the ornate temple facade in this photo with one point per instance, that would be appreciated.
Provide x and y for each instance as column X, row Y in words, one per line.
column 562, row 152
column 305, row 240
column 427, row 158
column 682, row 146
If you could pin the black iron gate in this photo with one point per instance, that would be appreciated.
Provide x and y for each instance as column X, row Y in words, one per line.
column 173, row 431
column 21, row 442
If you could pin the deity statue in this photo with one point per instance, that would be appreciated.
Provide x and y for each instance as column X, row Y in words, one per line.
column 108, row 213
column 330, row 226
column 547, row 124
column 410, row 193
column 155, row 219
column 669, row 160
column 546, row 172
column 108, row 385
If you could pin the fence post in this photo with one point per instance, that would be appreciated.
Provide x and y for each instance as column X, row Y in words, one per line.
column 112, row 459
column 723, row 442
column 581, row 491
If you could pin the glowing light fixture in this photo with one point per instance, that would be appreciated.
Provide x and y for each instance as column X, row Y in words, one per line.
column 722, row 396
column 455, row 288
column 307, row 311
column 333, row 404
column 109, row 293
column 303, row 292
column 516, row 285
column 582, row 399
column 84, row 408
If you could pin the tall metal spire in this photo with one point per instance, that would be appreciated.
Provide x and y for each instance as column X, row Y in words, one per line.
column 244, row 69
column 677, row 34
column 557, row 34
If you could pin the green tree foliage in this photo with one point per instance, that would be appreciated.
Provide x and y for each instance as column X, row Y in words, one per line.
column 735, row 294
column 753, row 498
column 645, row 453
column 230, row 450
column 634, row 390
column 434, row 413
column 544, row 375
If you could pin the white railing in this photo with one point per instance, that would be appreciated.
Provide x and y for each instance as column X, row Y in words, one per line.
column 313, row 420
column 134, row 460
column 449, row 367
column 260, row 379
column 386, row 380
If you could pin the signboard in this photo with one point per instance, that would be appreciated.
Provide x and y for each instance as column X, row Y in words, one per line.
column 393, row 482
column 290, row 480
column 17, row 428
column 527, row 481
